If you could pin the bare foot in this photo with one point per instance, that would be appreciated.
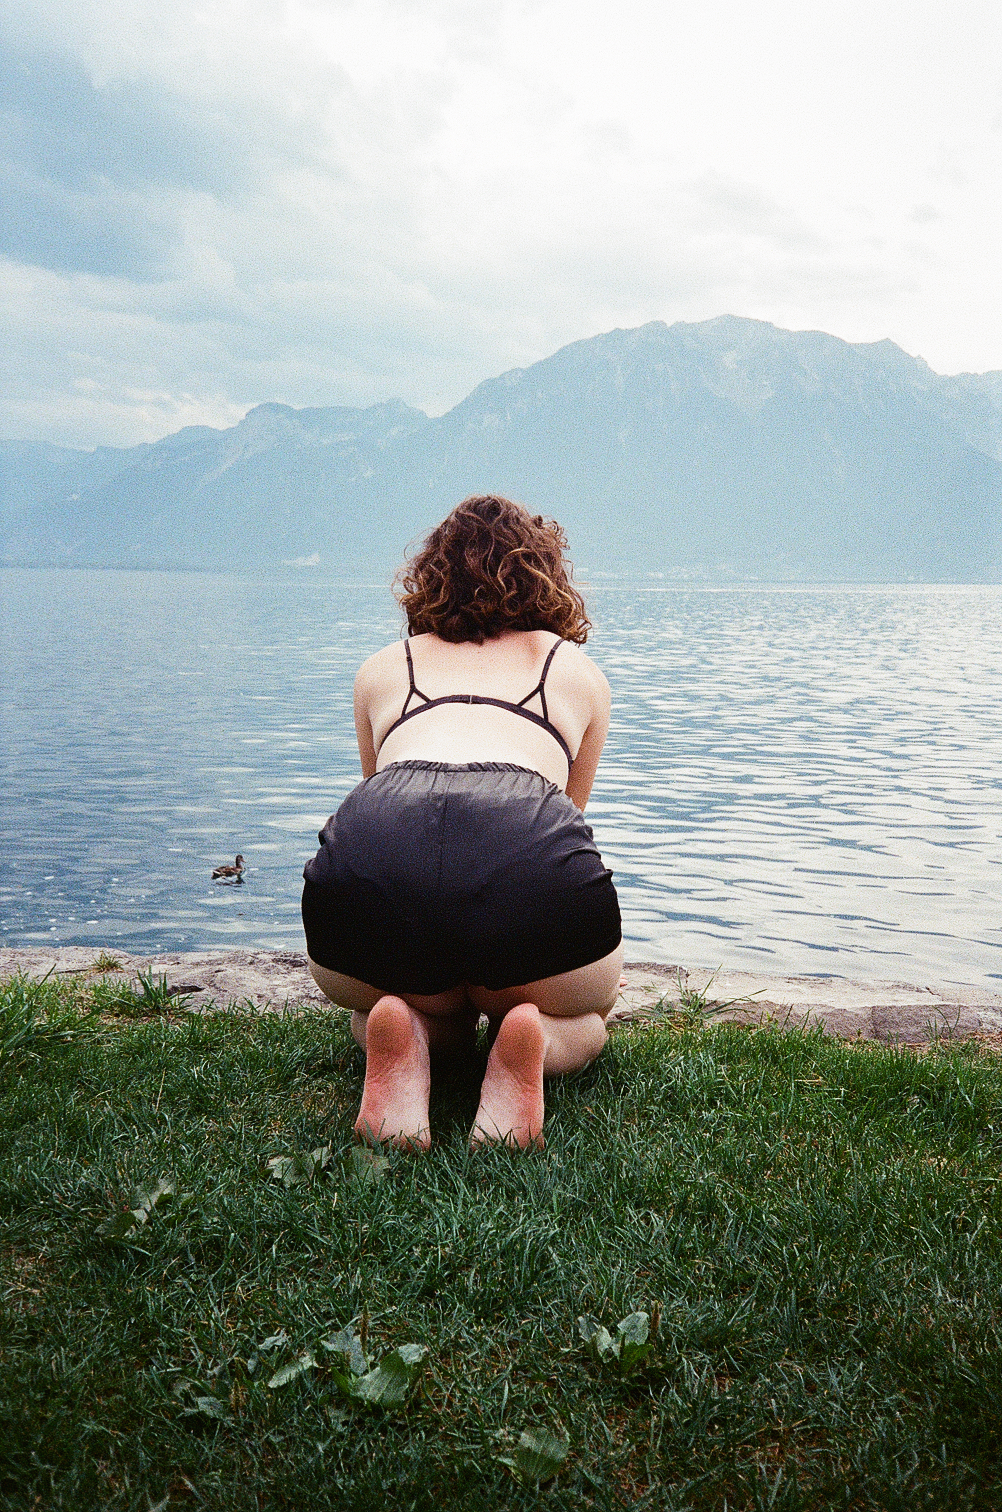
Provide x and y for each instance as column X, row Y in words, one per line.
column 397, row 1077
column 511, row 1099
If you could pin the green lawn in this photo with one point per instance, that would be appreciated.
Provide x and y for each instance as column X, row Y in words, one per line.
column 812, row 1229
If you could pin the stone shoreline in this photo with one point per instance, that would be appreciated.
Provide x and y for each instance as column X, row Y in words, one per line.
column 269, row 980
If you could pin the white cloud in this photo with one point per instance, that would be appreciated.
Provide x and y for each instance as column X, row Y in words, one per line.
column 339, row 202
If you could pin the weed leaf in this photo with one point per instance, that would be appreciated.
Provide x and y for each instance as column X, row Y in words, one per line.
column 632, row 1341
column 147, row 1199
column 629, row 1346
column 273, row 1341
column 125, row 1227
column 201, row 1403
column 539, row 1455
column 207, row 1406
column 289, row 1372
column 345, row 1343
column 597, row 1340
column 291, row 1170
column 386, row 1386
column 298, row 1170
column 367, row 1165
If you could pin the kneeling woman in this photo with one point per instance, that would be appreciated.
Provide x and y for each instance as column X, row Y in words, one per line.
column 459, row 878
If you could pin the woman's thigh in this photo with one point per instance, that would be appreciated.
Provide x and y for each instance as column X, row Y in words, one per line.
column 359, row 997
column 588, row 989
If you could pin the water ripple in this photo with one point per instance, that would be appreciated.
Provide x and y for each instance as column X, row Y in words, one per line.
column 797, row 779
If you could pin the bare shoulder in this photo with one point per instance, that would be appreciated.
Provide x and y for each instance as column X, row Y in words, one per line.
column 588, row 676
column 380, row 669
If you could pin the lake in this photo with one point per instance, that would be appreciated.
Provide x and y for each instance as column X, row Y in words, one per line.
column 797, row 779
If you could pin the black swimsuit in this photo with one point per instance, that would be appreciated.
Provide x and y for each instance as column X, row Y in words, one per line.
column 433, row 874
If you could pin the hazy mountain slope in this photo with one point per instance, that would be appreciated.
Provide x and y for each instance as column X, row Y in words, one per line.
column 733, row 441
column 247, row 497
column 727, row 445
column 40, row 489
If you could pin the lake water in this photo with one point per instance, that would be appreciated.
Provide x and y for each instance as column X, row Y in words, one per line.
column 798, row 779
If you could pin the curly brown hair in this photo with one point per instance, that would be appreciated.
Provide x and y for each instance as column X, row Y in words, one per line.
column 489, row 567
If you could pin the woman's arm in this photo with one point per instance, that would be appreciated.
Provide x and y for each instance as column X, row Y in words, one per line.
column 585, row 764
column 363, row 724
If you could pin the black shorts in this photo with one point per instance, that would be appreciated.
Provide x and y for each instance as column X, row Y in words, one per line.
column 430, row 875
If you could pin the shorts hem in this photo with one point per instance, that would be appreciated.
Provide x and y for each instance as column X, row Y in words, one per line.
column 538, row 970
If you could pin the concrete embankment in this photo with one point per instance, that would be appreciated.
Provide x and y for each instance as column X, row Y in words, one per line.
column 892, row 1012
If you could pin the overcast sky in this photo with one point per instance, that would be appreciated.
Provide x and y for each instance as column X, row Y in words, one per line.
column 211, row 205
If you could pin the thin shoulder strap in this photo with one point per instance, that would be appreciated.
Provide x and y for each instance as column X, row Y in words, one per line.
column 413, row 690
column 540, row 687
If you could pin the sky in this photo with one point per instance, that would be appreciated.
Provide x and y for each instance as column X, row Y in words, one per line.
column 211, row 205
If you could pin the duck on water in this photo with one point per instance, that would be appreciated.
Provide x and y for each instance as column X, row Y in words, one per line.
column 232, row 873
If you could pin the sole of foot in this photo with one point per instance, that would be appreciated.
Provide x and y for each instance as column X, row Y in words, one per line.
column 397, row 1078
column 511, row 1107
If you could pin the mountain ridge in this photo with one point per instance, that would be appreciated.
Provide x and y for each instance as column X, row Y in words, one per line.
column 724, row 447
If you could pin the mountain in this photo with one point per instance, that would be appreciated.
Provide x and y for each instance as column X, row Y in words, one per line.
column 728, row 447
column 278, row 482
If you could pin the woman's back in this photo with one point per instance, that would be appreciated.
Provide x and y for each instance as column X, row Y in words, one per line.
column 458, row 878
column 572, row 713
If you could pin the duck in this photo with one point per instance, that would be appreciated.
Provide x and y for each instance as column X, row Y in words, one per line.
column 236, row 870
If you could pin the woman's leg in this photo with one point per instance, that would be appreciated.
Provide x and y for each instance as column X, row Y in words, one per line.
column 400, row 1036
column 543, row 1028
column 453, row 1026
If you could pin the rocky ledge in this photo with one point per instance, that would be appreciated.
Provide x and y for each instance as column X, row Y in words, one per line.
column 268, row 980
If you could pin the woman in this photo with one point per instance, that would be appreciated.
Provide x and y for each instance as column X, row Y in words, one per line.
column 459, row 878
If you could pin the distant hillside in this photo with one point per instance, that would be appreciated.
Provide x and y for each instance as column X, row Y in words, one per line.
column 728, row 447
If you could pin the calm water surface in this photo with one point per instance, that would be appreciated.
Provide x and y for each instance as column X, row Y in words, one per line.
column 797, row 779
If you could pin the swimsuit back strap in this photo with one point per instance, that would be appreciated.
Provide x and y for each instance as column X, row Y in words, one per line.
column 540, row 687
column 480, row 698
column 543, row 719
column 413, row 690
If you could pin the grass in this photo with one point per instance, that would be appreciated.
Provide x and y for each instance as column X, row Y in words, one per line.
column 811, row 1228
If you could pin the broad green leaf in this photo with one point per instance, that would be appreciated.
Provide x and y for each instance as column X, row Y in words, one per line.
column 632, row 1344
column 597, row 1340
column 345, row 1343
column 178, row 1210
column 299, row 1169
column 207, row 1406
column 587, row 1328
column 273, row 1341
column 386, row 1386
column 289, row 1372
column 146, row 1199
column 539, row 1455
column 123, row 1225
column 291, row 1170
column 367, row 1165
column 411, row 1354
column 201, row 1403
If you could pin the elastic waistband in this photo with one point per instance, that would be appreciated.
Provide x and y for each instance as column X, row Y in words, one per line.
column 460, row 766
